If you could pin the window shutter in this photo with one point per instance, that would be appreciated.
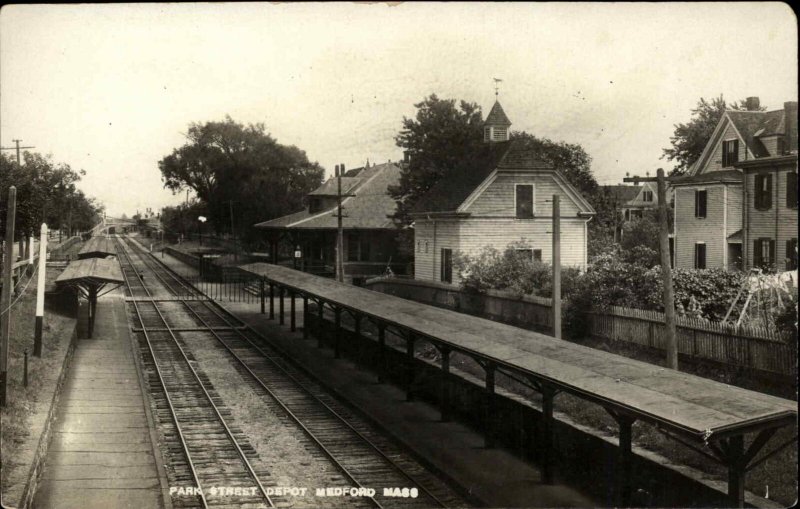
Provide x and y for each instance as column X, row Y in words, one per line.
column 703, row 203
column 757, row 253
column 772, row 254
column 696, row 203
column 791, row 189
column 768, row 192
column 735, row 155
column 757, row 192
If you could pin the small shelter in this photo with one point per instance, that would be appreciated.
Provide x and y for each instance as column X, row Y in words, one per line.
column 89, row 277
column 97, row 247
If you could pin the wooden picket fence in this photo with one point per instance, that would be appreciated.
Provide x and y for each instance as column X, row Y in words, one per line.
column 743, row 346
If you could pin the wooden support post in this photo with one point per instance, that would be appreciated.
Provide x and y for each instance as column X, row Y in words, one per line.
column 548, row 467
column 623, row 477
column 736, row 471
column 5, row 300
column 489, row 406
column 320, row 321
column 409, row 367
column 261, row 294
column 40, row 287
column 556, row 266
column 92, row 310
column 281, row 293
column 381, row 351
column 444, row 398
column 292, row 318
column 305, row 316
column 357, row 332
column 337, row 333
column 271, row 301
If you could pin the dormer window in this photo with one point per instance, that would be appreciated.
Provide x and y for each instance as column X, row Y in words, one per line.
column 647, row 196
column 314, row 205
column 730, row 153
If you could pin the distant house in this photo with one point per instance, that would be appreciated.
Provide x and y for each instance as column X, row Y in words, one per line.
column 732, row 198
column 505, row 195
column 632, row 201
column 369, row 233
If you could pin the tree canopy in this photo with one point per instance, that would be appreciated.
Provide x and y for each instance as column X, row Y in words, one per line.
column 226, row 162
column 46, row 192
column 689, row 139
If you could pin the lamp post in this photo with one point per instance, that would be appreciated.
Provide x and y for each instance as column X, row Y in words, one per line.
column 201, row 219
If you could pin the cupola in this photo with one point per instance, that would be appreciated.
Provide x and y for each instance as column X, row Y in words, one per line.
column 495, row 127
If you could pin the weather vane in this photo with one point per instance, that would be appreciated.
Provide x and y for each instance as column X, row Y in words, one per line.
column 496, row 86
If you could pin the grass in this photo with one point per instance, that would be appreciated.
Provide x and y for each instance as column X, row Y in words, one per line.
column 23, row 401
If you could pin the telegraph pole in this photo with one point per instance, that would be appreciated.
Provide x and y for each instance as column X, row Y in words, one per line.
column 556, row 266
column 5, row 299
column 666, row 265
column 17, row 148
column 339, row 229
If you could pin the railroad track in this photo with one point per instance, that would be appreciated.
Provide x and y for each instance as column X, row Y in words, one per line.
column 215, row 454
column 361, row 452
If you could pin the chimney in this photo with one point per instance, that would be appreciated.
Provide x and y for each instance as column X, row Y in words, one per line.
column 336, row 171
column 790, row 126
column 341, row 169
column 752, row 104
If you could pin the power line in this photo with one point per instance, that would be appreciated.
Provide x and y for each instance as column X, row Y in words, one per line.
column 17, row 148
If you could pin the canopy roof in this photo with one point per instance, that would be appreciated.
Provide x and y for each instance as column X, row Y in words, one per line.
column 91, row 273
column 98, row 246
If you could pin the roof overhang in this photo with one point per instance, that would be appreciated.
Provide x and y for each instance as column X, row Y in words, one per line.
column 767, row 161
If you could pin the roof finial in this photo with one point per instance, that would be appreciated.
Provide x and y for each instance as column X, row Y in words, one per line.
column 496, row 87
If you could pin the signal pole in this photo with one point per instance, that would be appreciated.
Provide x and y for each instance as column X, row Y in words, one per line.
column 17, row 148
column 666, row 265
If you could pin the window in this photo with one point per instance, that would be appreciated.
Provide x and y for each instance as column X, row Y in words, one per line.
column 419, row 246
column 764, row 253
column 426, row 246
column 526, row 254
column 730, row 153
column 700, row 203
column 781, row 146
column 627, row 215
column 791, row 190
column 791, row 254
column 446, row 275
column 314, row 205
column 763, row 192
column 636, row 214
column 487, row 134
column 524, row 201
column 699, row 256
column 499, row 134
column 537, row 255
column 358, row 248
column 647, row 196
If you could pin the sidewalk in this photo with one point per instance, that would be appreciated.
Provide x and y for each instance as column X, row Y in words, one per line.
column 494, row 476
column 101, row 454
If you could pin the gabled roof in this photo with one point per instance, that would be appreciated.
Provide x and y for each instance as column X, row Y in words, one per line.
column 98, row 247
column 751, row 126
column 452, row 190
column 497, row 116
column 368, row 205
column 622, row 193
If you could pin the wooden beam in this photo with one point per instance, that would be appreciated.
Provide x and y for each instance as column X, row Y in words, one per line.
column 305, row 316
column 271, row 301
column 281, row 292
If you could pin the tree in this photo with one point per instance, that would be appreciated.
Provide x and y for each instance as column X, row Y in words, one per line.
column 232, row 166
column 439, row 139
column 691, row 138
column 568, row 158
column 46, row 191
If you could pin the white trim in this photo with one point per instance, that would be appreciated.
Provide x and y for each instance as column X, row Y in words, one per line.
column 475, row 194
column 533, row 198
column 724, row 227
column 701, row 161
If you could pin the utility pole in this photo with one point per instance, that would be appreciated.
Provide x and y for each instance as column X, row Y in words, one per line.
column 339, row 229
column 666, row 265
column 40, row 282
column 17, row 148
column 235, row 246
column 5, row 298
column 556, row 266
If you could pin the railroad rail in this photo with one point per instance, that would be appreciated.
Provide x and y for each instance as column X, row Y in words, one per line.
column 211, row 448
column 360, row 452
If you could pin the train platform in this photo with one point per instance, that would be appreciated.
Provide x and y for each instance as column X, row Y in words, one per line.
column 102, row 452
column 451, row 448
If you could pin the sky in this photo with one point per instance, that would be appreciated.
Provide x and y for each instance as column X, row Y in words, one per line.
column 111, row 89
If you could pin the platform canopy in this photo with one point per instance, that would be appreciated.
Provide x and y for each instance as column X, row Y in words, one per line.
column 89, row 277
column 97, row 247
column 708, row 416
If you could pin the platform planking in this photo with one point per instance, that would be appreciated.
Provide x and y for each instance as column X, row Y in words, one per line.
column 97, row 247
column 692, row 406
